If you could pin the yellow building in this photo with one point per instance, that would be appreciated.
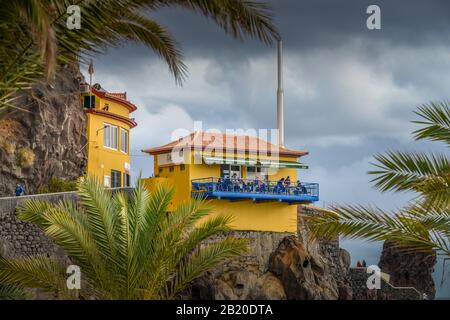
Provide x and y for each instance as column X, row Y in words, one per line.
column 241, row 175
column 108, row 134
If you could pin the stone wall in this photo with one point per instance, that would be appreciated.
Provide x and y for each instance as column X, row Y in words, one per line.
column 18, row 238
column 387, row 291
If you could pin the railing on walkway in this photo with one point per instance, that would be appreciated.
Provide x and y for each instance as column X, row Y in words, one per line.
column 256, row 189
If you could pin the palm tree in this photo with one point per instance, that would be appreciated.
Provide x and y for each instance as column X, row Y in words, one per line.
column 127, row 247
column 34, row 38
column 12, row 293
column 424, row 223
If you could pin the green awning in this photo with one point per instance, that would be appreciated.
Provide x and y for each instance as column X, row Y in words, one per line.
column 235, row 161
column 283, row 164
column 253, row 162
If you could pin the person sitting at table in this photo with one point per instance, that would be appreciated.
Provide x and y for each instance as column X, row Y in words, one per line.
column 287, row 183
column 219, row 184
column 235, row 182
column 241, row 185
column 279, row 186
column 258, row 183
column 301, row 188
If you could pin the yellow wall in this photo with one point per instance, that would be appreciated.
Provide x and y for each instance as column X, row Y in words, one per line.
column 101, row 159
column 264, row 216
column 246, row 214
column 114, row 107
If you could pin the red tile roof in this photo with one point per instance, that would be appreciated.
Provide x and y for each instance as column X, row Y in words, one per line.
column 220, row 141
column 120, row 95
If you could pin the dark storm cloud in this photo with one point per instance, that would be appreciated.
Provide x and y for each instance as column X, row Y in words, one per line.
column 309, row 25
column 324, row 23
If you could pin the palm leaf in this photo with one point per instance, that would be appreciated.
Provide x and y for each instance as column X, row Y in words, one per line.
column 13, row 293
column 435, row 117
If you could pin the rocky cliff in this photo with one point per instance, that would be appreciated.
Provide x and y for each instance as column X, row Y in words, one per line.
column 45, row 137
column 408, row 269
column 279, row 266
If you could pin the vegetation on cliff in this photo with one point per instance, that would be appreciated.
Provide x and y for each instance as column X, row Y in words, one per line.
column 127, row 246
column 424, row 223
column 58, row 185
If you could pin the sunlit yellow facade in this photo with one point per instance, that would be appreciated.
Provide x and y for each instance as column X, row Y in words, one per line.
column 108, row 133
column 269, row 212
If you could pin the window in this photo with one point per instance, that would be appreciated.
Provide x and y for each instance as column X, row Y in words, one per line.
column 116, row 179
column 227, row 170
column 171, row 169
column 107, row 181
column 160, row 170
column 123, row 140
column 89, row 102
column 235, row 168
column 110, row 136
column 126, row 180
column 182, row 167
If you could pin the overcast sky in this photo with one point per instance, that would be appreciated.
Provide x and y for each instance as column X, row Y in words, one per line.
column 350, row 92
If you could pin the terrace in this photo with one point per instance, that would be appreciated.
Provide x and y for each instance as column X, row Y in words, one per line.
column 255, row 190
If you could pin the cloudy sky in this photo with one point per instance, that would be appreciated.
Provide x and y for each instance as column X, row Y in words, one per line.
column 350, row 92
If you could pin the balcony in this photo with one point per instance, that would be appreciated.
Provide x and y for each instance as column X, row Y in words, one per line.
column 250, row 189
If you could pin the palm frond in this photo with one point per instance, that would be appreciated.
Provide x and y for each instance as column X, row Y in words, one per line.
column 405, row 171
column 436, row 121
column 374, row 224
column 35, row 272
column 239, row 18
column 13, row 293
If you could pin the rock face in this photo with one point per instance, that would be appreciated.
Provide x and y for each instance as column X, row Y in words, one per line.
column 47, row 138
column 304, row 276
column 408, row 269
column 291, row 272
column 279, row 266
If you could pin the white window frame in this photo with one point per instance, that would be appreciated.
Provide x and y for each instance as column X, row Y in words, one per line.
column 107, row 132
column 127, row 134
column 107, row 181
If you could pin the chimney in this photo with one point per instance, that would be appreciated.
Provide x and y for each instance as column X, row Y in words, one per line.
column 280, row 95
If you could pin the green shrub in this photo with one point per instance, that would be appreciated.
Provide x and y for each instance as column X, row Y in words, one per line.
column 58, row 185
column 7, row 146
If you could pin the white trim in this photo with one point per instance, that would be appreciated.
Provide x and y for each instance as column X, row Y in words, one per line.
column 105, row 177
column 128, row 140
column 110, row 125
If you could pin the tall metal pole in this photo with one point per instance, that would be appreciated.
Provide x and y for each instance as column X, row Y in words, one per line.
column 91, row 71
column 280, row 95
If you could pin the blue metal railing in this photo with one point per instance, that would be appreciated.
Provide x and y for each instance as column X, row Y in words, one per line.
column 215, row 185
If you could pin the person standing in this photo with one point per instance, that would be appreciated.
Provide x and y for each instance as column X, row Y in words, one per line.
column 20, row 190
column 364, row 264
